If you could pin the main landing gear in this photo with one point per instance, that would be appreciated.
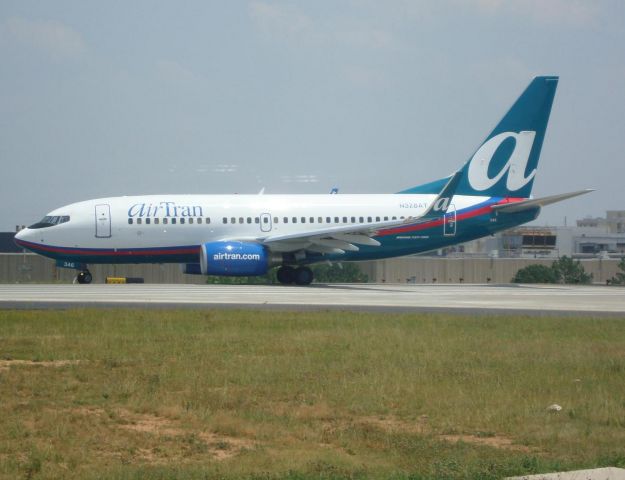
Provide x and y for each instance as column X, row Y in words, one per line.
column 84, row 276
column 300, row 275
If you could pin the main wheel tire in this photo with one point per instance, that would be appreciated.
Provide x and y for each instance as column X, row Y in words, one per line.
column 303, row 276
column 286, row 275
column 84, row 277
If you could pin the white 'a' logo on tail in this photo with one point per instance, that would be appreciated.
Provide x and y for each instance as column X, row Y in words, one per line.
column 515, row 167
column 442, row 204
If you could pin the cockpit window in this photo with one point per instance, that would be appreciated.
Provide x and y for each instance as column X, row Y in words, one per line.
column 50, row 221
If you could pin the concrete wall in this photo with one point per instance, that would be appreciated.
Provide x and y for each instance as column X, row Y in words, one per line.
column 468, row 270
column 25, row 268
column 28, row 267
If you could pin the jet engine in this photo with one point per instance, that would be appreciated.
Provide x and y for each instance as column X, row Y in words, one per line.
column 233, row 258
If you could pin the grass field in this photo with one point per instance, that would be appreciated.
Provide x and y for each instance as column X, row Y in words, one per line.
column 134, row 394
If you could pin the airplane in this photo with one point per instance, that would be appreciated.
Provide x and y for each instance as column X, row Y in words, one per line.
column 245, row 235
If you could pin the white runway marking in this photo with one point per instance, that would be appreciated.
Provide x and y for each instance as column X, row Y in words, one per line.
column 530, row 298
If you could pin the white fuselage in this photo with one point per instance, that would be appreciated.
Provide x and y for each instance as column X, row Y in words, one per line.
column 148, row 221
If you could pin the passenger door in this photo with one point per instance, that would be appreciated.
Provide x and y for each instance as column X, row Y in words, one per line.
column 103, row 221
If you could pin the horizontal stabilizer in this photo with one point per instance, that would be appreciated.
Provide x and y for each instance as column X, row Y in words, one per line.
column 537, row 202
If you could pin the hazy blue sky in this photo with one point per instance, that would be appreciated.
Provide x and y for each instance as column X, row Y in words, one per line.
column 130, row 97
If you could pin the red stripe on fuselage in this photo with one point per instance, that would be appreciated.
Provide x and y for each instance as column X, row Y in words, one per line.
column 439, row 221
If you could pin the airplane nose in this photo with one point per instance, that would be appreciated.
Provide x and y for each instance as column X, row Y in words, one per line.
column 21, row 234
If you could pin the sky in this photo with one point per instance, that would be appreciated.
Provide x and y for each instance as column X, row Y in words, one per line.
column 120, row 98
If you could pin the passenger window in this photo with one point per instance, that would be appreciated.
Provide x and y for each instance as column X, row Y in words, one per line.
column 394, row 218
column 199, row 220
column 303, row 219
column 257, row 220
column 285, row 220
column 377, row 219
column 138, row 221
column 190, row 220
column 147, row 221
column 344, row 219
column 294, row 219
column 265, row 220
column 386, row 219
column 225, row 220
column 361, row 219
column 353, row 219
column 328, row 220
column 311, row 220
column 369, row 219
column 401, row 218
column 336, row 219
column 181, row 221
column 233, row 220
column 173, row 221
column 130, row 221
column 157, row 221
column 240, row 219
column 165, row 220
column 319, row 219
column 249, row 219
column 275, row 219
column 208, row 220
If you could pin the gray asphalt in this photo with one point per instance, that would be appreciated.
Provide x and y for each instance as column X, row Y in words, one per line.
column 483, row 299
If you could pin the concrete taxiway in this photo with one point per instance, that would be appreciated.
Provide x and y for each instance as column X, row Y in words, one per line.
column 528, row 299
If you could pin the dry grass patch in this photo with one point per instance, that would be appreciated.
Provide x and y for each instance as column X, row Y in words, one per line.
column 6, row 364
column 219, row 446
column 495, row 441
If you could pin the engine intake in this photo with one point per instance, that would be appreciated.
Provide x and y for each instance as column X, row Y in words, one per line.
column 233, row 258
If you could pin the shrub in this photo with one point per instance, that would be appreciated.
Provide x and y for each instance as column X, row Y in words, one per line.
column 324, row 273
column 562, row 270
column 568, row 270
column 535, row 274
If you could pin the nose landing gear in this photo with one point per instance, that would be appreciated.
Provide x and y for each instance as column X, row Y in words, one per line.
column 84, row 277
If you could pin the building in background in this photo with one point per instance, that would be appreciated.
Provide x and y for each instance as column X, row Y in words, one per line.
column 7, row 245
column 592, row 236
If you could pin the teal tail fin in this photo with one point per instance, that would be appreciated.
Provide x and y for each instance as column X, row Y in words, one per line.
column 505, row 163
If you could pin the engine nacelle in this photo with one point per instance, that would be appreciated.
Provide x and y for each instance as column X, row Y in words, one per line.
column 233, row 258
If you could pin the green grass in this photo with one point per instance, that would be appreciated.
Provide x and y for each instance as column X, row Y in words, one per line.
column 211, row 394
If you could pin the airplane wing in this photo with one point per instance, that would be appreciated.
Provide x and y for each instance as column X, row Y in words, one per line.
column 537, row 202
column 344, row 238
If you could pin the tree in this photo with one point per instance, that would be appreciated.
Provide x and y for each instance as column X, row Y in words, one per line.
column 339, row 273
column 568, row 270
column 562, row 270
column 535, row 274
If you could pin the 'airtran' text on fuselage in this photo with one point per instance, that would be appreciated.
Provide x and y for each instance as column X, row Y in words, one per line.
column 164, row 209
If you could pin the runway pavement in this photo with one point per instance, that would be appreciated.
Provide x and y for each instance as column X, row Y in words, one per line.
column 530, row 299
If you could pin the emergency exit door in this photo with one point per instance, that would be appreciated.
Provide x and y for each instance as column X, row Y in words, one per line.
column 449, row 221
column 265, row 222
column 103, row 221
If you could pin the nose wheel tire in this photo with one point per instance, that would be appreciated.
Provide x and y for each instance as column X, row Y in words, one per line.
column 84, row 277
